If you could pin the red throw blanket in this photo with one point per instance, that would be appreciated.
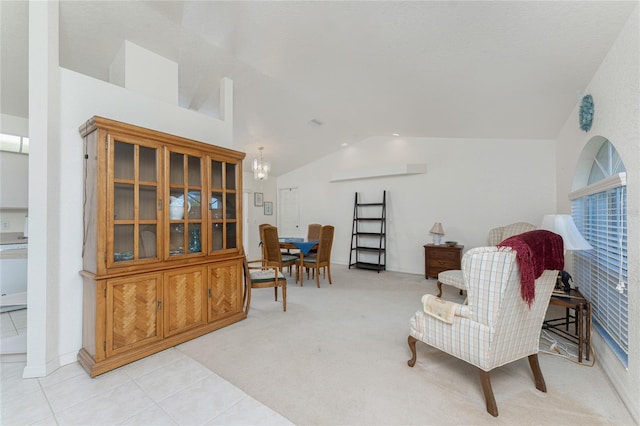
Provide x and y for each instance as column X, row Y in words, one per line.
column 536, row 251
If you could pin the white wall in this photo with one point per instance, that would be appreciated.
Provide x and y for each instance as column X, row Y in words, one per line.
column 13, row 125
column 471, row 186
column 14, row 170
column 145, row 72
column 256, row 214
column 615, row 88
column 14, row 177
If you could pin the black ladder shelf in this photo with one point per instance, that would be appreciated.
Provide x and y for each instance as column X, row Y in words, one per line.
column 369, row 235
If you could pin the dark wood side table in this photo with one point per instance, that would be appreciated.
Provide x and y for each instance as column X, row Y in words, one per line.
column 441, row 258
column 581, row 318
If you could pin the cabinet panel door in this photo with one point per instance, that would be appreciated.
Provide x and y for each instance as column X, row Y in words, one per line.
column 225, row 289
column 225, row 206
column 185, row 300
column 183, row 203
column 134, row 198
column 133, row 307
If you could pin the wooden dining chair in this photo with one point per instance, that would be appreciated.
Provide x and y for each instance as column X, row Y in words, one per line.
column 313, row 232
column 257, row 275
column 322, row 259
column 271, row 254
column 261, row 229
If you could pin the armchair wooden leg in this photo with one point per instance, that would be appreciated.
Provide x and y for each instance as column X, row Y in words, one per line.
column 537, row 373
column 275, row 290
column 485, row 380
column 412, row 345
column 439, row 284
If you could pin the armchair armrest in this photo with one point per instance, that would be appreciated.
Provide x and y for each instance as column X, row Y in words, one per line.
column 443, row 310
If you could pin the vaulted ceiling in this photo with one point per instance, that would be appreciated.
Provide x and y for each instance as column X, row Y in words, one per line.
column 312, row 75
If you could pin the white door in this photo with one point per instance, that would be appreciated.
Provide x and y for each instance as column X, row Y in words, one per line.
column 289, row 213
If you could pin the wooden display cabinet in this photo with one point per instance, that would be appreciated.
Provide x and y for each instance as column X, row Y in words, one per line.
column 162, row 249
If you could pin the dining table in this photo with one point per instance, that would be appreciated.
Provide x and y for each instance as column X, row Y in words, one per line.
column 298, row 243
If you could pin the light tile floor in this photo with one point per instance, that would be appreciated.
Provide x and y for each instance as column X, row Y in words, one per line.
column 13, row 323
column 168, row 388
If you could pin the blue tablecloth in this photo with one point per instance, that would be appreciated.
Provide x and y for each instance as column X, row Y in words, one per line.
column 305, row 246
column 300, row 243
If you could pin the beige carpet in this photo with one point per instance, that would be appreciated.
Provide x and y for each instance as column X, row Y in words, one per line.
column 338, row 356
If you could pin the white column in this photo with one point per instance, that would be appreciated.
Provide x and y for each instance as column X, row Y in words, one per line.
column 44, row 99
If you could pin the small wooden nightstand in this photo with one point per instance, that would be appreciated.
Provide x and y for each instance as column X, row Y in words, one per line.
column 441, row 258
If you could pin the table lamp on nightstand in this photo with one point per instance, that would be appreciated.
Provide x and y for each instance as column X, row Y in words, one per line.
column 437, row 232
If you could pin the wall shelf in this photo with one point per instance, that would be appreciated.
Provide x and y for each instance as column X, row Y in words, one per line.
column 401, row 170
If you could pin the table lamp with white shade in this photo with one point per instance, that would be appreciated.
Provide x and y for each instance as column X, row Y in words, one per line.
column 563, row 225
column 437, row 232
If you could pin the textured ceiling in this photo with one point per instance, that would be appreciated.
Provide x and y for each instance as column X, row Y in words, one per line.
column 442, row 68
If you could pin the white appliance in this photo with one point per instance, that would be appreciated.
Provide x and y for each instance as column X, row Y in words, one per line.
column 13, row 276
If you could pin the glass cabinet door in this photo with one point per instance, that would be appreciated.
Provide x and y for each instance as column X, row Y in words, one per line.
column 184, row 204
column 224, row 214
column 134, row 191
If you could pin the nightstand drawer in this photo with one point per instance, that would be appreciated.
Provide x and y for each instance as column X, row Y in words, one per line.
column 441, row 263
column 445, row 254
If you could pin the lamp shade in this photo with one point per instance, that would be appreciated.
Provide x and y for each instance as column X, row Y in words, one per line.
column 563, row 225
column 437, row 229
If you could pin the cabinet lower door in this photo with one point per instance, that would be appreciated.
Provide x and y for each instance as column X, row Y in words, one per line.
column 185, row 300
column 133, row 308
column 225, row 289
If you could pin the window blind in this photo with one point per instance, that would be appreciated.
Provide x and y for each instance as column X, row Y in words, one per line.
column 601, row 273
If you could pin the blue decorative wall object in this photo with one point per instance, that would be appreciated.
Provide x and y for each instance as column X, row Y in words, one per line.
column 586, row 113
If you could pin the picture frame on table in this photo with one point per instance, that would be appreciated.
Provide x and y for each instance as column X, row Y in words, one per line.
column 268, row 208
column 257, row 199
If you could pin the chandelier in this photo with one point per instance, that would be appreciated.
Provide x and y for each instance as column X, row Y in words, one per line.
column 260, row 167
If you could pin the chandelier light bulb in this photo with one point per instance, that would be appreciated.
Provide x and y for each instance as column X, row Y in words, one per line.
column 260, row 167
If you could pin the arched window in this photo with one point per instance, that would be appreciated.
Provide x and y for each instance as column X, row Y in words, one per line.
column 600, row 212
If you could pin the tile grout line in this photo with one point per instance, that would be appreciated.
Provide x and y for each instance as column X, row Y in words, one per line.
column 135, row 382
column 157, row 403
column 44, row 393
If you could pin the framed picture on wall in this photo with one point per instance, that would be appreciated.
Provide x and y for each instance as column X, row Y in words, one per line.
column 268, row 208
column 257, row 199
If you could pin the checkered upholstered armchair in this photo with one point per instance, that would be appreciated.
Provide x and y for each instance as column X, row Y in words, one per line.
column 455, row 279
column 501, row 233
column 496, row 327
